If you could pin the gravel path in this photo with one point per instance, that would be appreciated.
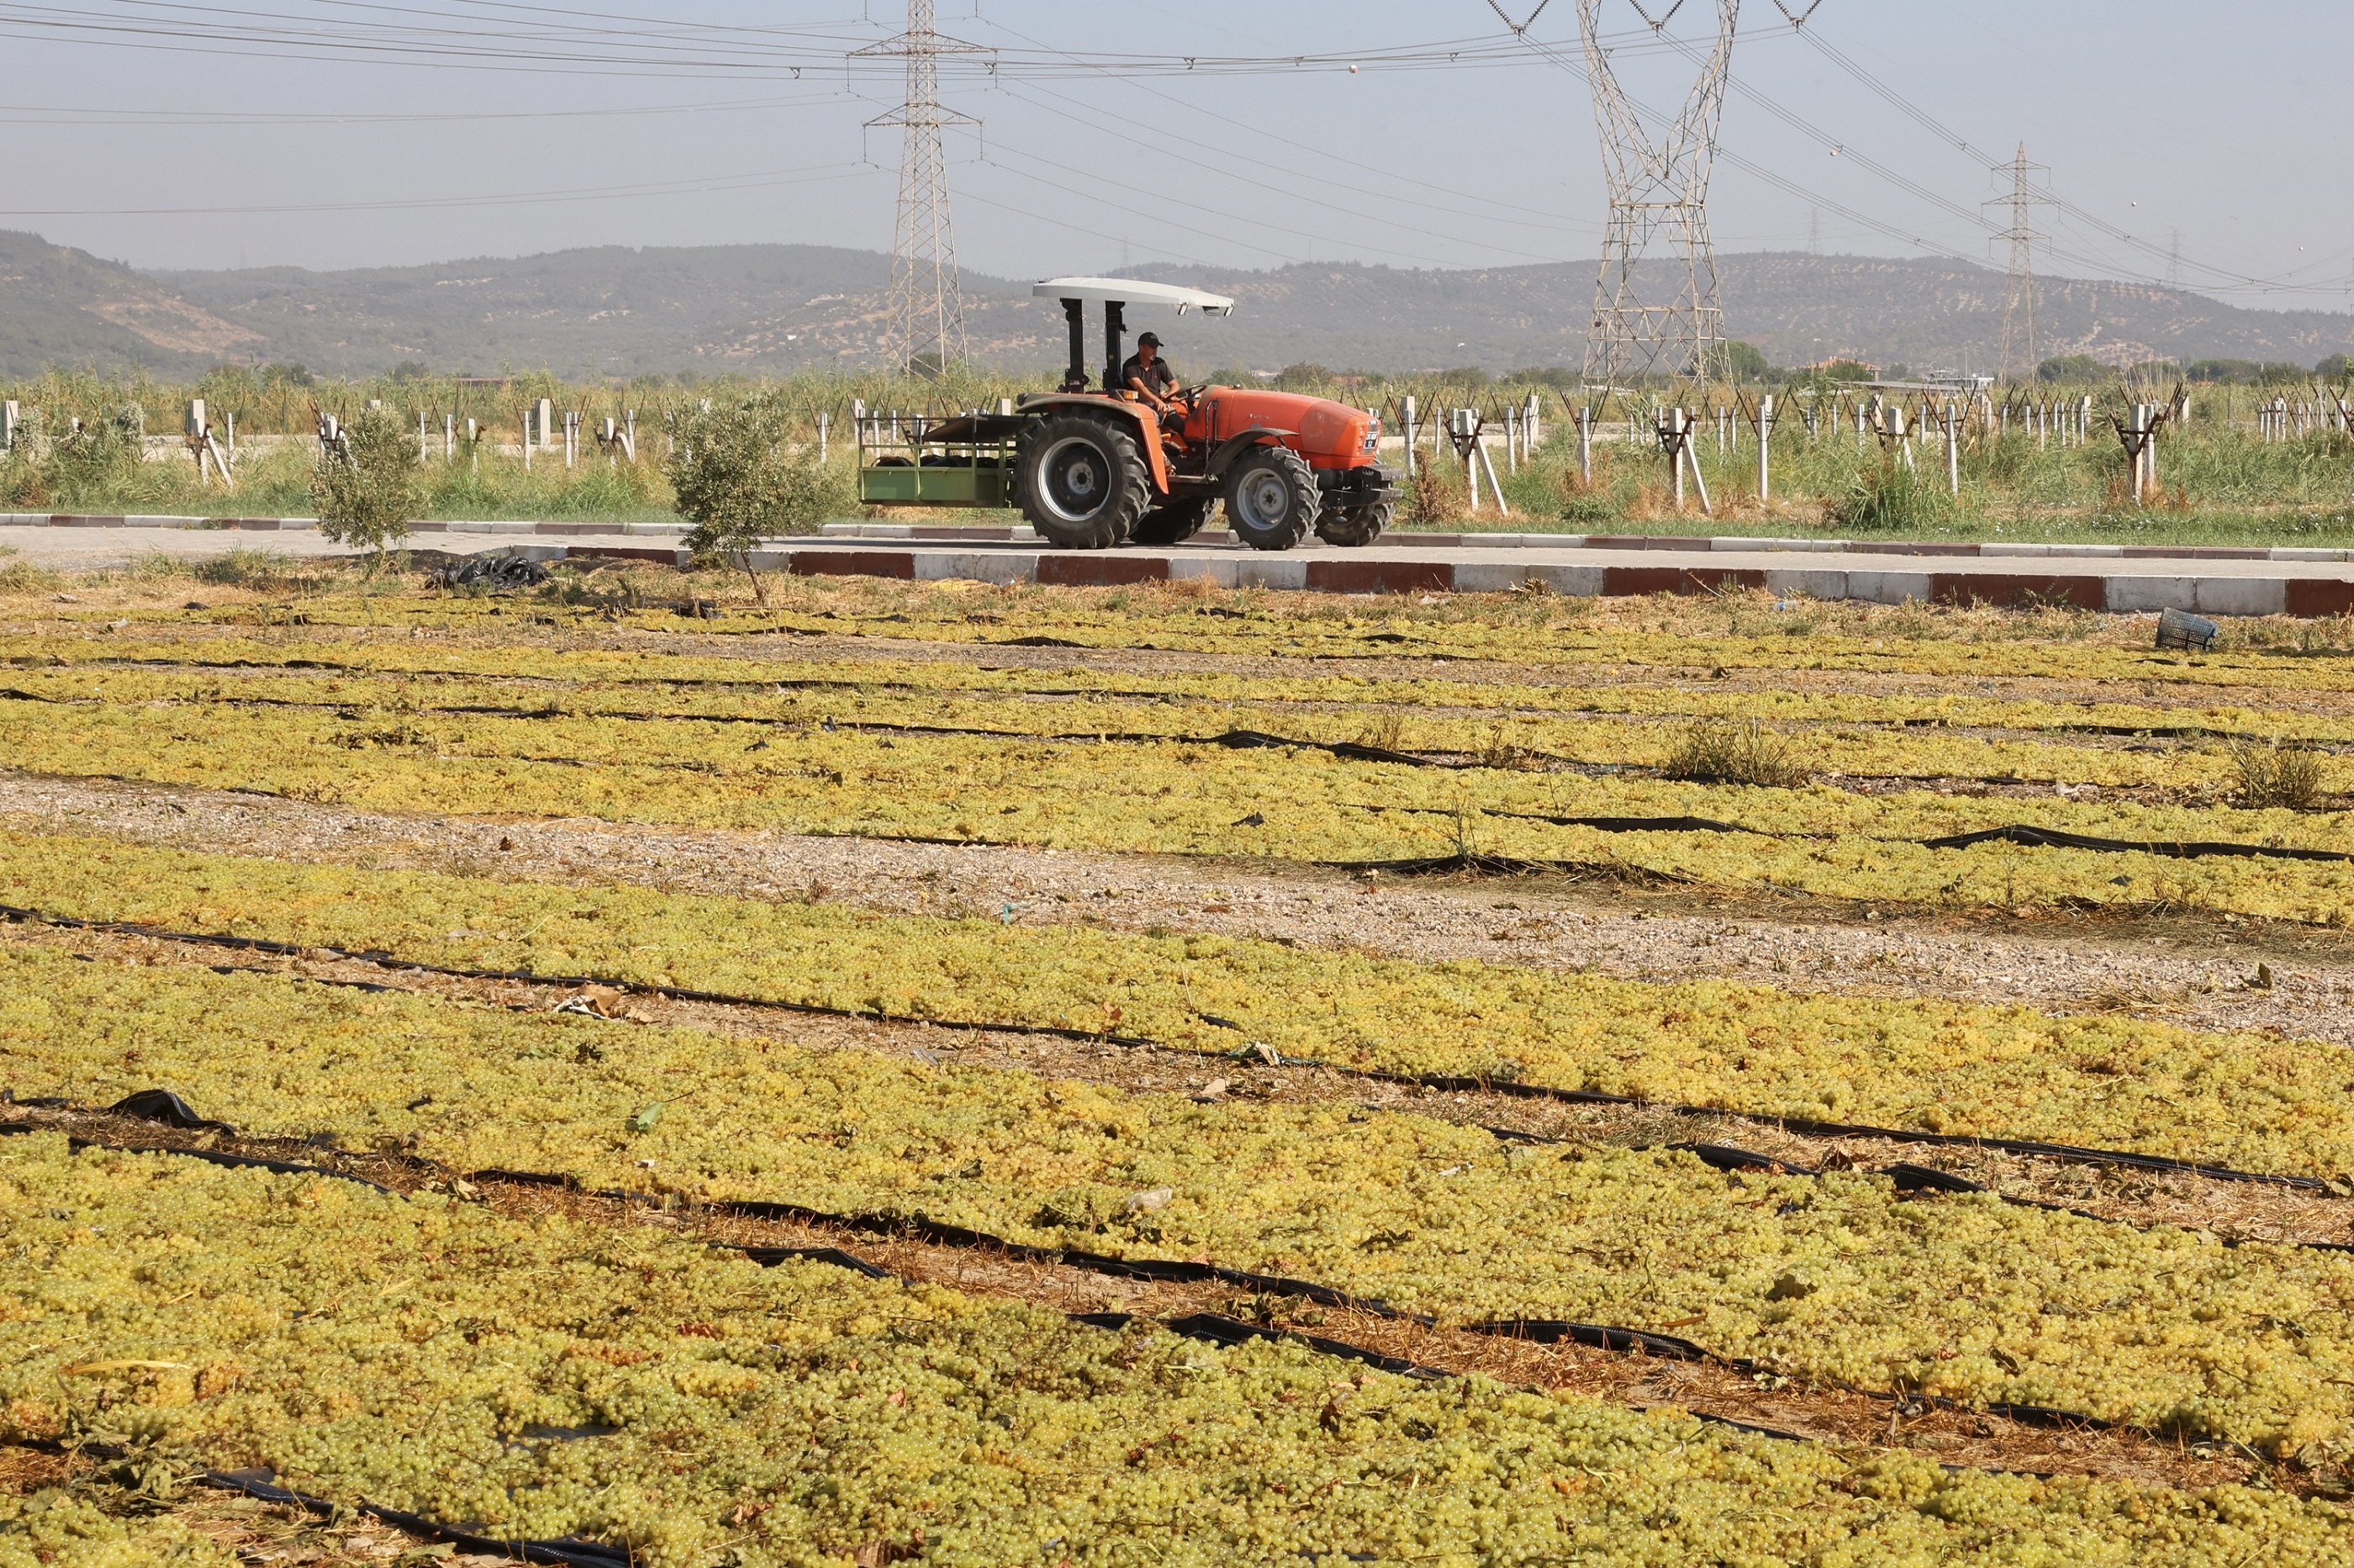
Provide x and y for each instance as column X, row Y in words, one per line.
column 2195, row 974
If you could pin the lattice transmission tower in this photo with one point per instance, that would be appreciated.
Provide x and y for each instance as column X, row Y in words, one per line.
column 927, row 330
column 1645, row 323
column 2019, row 292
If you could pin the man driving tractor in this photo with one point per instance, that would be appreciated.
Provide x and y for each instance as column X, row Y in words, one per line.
column 1148, row 375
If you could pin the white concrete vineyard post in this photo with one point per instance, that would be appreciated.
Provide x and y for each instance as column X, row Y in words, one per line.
column 1672, row 436
column 1406, row 423
column 1585, row 447
column 1765, row 448
column 1479, row 447
column 1953, row 449
column 9, row 415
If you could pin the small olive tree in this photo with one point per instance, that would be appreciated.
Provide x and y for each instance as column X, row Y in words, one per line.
column 368, row 482
column 742, row 481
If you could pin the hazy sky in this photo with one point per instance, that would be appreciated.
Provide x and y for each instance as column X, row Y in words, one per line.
column 2217, row 124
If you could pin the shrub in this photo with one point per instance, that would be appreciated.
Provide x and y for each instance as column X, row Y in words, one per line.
column 1720, row 751
column 93, row 461
column 369, row 483
column 741, row 482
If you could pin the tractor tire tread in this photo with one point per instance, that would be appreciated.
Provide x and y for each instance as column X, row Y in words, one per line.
column 1130, row 489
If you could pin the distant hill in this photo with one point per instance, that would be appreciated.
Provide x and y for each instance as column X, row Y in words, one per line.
column 66, row 307
column 770, row 308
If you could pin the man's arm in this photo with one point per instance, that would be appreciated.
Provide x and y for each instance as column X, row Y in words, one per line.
column 1141, row 383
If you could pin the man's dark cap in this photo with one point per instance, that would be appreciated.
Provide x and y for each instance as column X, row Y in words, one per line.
column 1152, row 337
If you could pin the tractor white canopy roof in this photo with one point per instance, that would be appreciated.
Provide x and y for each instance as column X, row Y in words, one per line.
column 1133, row 292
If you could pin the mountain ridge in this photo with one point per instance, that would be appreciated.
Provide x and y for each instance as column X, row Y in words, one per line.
column 618, row 311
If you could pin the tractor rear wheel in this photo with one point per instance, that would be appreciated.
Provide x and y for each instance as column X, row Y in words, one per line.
column 1271, row 498
column 1355, row 525
column 1082, row 481
column 1174, row 523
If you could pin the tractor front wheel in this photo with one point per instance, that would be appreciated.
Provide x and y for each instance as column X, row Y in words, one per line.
column 1271, row 498
column 1082, row 481
column 1355, row 525
column 1174, row 523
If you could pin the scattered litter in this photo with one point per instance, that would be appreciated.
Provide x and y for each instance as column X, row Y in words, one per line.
column 1151, row 1202
column 1259, row 1050
column 2193, row 633
column 1212, row 1092
column 593, row 1001
column 499, row 573
column 645, row 1119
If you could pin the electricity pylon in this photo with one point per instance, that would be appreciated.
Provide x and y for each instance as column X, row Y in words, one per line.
column 926, row 332
column 1659, row 197
column 2019, row 292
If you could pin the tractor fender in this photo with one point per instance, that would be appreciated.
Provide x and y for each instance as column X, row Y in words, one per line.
column 1234, row 446
column 1148, row 425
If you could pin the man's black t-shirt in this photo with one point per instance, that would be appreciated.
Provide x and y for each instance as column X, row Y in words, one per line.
column 1157, row 377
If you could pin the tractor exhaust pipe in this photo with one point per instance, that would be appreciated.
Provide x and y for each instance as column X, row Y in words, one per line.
column 1074, row 379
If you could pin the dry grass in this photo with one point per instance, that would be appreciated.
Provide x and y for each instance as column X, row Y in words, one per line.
column 1723, row 751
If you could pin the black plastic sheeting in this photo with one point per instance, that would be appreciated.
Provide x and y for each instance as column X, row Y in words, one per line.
column 164, row 1105
column 263, row 1484
column 1444, row 1083
column 2051, row 838
column 232, row 1161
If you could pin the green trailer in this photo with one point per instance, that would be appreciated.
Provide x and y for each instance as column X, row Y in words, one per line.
column 965, row 462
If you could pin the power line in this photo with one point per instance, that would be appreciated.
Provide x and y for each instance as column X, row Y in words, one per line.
column 757, row 180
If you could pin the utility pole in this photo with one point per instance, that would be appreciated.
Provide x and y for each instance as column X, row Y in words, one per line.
column 927, row 302
column 1659, row 197
column 2019, row 293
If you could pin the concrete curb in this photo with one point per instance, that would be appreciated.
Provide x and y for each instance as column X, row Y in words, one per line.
column 1679, row 543
column 1357, row 573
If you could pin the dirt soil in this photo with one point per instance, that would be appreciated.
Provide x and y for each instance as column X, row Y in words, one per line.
column 2189, row 971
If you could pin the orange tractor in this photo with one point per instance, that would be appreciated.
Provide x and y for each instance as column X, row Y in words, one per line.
column 1094, row 469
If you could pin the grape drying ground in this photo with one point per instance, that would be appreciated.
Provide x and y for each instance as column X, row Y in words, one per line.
column 983, row 1077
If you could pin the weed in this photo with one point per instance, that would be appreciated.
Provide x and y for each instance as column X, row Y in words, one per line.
column 1434, row 496
column 23, row 577
column 1384, row 732
column 2272, row 773
column 263, row 570
column 1892, row 498
column 1499, row 750
column 1723, row 751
